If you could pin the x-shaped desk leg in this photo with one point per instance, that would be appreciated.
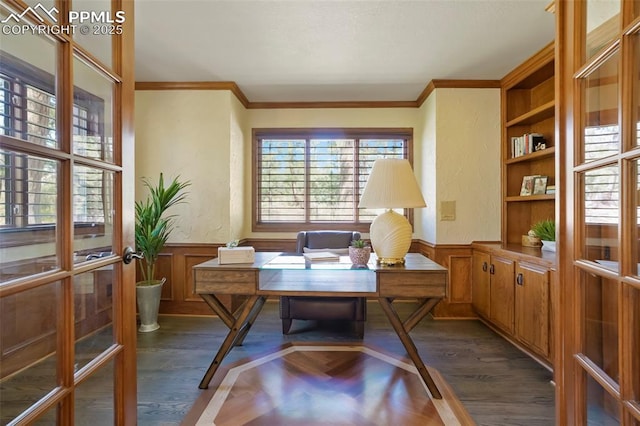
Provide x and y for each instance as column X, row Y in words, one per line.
column 238, row 328
column 402, row 330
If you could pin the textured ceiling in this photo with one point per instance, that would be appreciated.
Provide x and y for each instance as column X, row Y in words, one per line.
column 326, row 50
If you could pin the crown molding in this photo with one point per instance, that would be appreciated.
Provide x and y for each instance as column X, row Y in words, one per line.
column 455, row 84
column 336, row 104
column 233, row 87
column 195, row 85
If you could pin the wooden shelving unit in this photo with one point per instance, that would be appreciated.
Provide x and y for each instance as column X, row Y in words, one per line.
column 513, row 285
column 528, row 106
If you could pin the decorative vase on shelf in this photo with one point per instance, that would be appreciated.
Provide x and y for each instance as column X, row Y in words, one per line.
column 359, row 255
column 548, row 245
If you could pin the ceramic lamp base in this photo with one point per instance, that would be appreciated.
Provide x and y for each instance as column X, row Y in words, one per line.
column 390, row 235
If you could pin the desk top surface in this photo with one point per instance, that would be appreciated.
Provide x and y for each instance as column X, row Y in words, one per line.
column 286, row 261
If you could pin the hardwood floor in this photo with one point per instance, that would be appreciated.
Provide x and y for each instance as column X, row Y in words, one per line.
column 496, row 383
column 339, row 384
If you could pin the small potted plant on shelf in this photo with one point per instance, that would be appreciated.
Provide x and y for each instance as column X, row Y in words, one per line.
column 359, row 252
column 152, row 232
column 546, row 231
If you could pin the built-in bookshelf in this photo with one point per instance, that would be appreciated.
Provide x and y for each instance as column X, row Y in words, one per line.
column 528, row 147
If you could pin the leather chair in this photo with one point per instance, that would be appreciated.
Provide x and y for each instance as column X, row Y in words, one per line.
column 324, row 308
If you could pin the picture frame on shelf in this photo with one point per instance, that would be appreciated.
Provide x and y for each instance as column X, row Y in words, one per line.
column 527, row 185
column 540, row 185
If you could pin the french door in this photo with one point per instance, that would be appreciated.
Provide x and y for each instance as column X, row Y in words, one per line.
column 67, row 301
column 599, row 212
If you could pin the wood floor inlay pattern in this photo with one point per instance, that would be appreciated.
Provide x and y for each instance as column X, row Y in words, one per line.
column 327, row 384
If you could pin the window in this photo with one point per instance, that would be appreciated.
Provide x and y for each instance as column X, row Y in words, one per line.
column 312, row 179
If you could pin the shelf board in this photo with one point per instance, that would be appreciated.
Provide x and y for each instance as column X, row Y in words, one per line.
column 520, row 198
column 538, row 114
column 547, row 152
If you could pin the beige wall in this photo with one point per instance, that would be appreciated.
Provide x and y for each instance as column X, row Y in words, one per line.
column 205, row 136
column 468, row 164
column 425, row 169
column 239, row 174
column 187, row 133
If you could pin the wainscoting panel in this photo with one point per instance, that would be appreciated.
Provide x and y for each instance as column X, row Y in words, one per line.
column 165, row 268
column 175, row 264
column 460, row 266
column 456, row 258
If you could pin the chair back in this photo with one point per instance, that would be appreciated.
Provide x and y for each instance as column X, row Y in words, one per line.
column 325, row 239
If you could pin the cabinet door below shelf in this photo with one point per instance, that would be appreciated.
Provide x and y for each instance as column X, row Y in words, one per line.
column 481, row 293
column 502, row 292
column 532, row 307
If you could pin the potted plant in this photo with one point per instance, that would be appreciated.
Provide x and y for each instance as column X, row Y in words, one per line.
column 151, row 233
column 546, row 231
column 359, row 252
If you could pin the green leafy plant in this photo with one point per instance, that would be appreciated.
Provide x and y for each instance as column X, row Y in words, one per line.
column 152, row 226
column 545, row 230
column 359, row 243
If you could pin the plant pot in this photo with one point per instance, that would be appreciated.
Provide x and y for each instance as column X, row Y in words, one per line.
column 148, row 295
column 548, row 245
column 359, row 255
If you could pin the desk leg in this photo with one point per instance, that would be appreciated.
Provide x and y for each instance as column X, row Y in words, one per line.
column 235, row 331
column 252, row 317
column 406, row 340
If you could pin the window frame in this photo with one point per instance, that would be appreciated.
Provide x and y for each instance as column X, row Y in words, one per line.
column 318, row 133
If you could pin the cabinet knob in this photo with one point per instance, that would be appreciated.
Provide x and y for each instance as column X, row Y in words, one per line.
column 492, row 269
column 485, row 266
column 520, row 279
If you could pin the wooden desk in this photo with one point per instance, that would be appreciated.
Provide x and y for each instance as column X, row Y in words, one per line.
column 275, row 275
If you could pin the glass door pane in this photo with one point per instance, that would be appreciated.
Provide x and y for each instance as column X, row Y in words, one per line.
column 97, row 24
column 93, row 306
column 634, row 344
column 635, row 70
column 27, row 86
column 600, row 323
column 93, row 204
column 603, row 24
column 28, row 215
column 601, row 213
column 92, row 113
column 602, row 408
column 600, row 116
column 29, row 357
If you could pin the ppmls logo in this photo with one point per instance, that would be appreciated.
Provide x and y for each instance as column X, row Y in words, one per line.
column 44, row 13
column 82, row 21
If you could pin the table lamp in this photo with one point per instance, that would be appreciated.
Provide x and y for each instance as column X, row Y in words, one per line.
column 391, row 184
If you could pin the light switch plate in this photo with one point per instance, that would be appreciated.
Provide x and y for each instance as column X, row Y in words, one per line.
column 447, row 210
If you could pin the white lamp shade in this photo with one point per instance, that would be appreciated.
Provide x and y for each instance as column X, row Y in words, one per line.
column 391, row 184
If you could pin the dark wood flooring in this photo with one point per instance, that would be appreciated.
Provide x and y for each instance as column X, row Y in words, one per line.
column 496, row 383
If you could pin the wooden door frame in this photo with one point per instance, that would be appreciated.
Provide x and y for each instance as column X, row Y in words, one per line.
column 570, row 377
column 126, row 332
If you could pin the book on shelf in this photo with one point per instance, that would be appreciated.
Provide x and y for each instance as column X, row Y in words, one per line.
column 526, row 144
column 322, row 256
column 551, row 189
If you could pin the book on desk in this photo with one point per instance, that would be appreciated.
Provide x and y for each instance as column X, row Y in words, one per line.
column 322, row 256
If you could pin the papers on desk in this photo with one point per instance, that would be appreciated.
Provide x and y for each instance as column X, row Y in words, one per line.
column 322, row 256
